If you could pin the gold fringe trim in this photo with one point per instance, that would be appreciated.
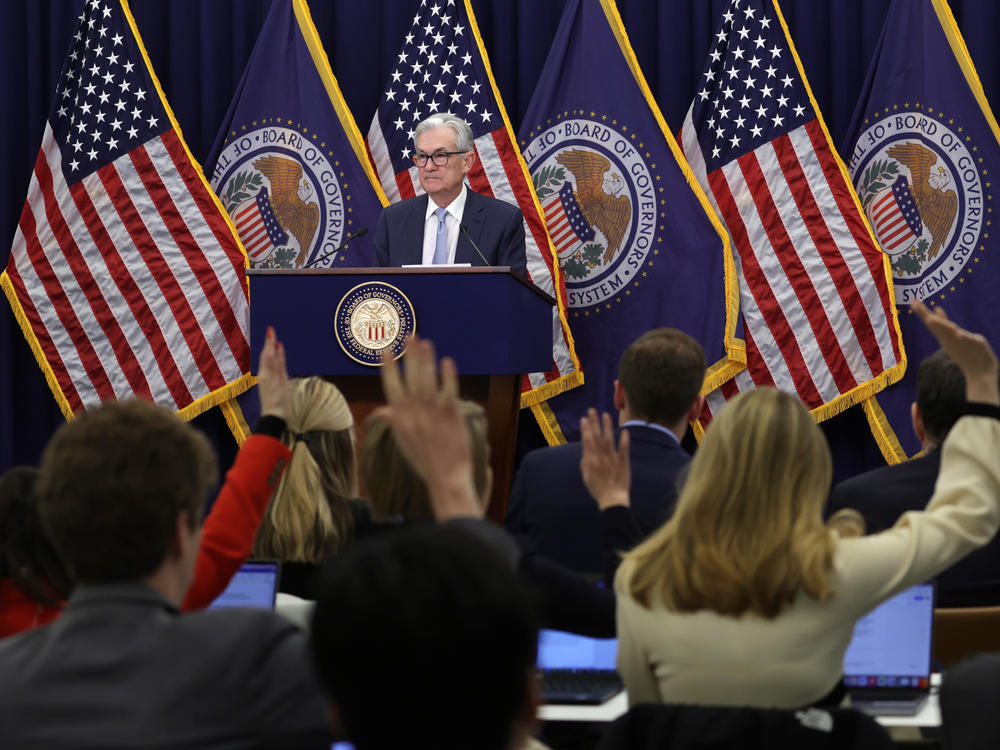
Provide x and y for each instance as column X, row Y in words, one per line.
column 548, row 423
column 36, row 347
column 553, row 388
column 885, row 436
column 216, row 397
column 234, row 418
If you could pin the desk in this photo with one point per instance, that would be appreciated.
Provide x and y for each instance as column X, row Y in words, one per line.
column 928, row 716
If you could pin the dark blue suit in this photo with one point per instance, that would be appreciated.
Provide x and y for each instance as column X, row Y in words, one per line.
column 497, row 227
column 552, row 508
column 886, row 493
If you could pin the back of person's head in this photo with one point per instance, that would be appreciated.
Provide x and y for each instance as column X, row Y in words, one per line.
column 26, row 554
column 425, row 638
column 940, row 394
column 113, row 483
column 309, row 516
column 662, row 372
column 394, row 489
column 747, row 533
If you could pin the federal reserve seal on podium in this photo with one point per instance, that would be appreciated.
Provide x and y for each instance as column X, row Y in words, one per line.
column 371, row 319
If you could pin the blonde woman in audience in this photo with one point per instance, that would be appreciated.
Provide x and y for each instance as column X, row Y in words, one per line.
column 396, row 493
column 744, row 597
column 314, row 512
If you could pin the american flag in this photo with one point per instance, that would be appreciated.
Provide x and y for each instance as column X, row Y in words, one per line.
column 124, row 275
column 442, row 67
column 818, row 312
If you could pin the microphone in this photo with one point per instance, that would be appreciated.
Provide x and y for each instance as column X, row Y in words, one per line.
column 360, row 233
column 465, row 231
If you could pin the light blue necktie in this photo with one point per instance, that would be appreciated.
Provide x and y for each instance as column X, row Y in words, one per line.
column 441, row 241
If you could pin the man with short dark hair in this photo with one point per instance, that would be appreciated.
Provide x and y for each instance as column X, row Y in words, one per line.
column 656, row 394
column 884, row 494
column 121, row 492
column 425, row 638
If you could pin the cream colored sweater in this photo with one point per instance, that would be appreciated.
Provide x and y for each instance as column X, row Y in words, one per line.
column 797, row 658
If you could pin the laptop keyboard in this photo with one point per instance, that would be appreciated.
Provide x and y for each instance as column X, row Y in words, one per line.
column 580, row 686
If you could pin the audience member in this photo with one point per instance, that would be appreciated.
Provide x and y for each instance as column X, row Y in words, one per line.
column 315, row 511
column 656, row 395
column 970, row 692
column 120, row 493
column 33, row 580
column 883, row 495
column 400, row 495
column 744, row 597
column 423, row 638
column 396, row 493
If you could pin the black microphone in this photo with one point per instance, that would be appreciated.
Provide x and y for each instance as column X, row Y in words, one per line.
column 465, row 231
column 360, row 233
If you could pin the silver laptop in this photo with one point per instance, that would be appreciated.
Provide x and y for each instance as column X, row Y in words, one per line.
column 887, row 667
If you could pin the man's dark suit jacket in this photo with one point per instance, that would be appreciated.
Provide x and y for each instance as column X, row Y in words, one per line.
column 884, row 494
column 497, row 227
column 123, row 668
column 551, row 507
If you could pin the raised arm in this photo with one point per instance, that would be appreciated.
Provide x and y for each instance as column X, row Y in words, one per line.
column 230, row 529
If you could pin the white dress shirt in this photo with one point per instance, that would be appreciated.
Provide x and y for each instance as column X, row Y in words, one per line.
column 452, row 222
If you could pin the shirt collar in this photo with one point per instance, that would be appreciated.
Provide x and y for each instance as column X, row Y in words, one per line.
column 456, row 208
column 652, row 426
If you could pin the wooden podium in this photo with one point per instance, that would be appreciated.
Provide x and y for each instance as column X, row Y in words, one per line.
column 494, row 324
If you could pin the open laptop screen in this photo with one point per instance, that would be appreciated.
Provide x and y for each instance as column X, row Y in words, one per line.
column 559, row 650
column 891, row 646
column 255, row 585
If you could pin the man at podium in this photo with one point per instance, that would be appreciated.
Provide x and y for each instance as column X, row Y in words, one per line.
column 450, row 223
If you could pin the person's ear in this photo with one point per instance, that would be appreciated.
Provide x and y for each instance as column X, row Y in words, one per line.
column 696, row 409
column 619, row 396
column 917, row 420
column 468, row 160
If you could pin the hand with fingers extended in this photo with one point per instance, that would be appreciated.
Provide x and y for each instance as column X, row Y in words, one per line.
column 606, row 470
column 970, row 351
column 272, row 378
column 429, row 428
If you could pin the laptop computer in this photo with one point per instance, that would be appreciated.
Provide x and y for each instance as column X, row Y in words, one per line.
column 254, row 586
column 577, row 669
column 887, row 667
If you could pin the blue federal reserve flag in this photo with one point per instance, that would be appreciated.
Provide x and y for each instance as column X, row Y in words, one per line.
column 289, row 164
column 637, row 242
column 923, row 149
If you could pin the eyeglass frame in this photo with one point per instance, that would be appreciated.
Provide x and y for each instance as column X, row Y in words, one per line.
column 434, row 157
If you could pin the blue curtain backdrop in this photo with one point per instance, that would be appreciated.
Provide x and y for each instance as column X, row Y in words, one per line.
column 198, row 50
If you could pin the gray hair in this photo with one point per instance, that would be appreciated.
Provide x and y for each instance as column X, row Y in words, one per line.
column 463, row 133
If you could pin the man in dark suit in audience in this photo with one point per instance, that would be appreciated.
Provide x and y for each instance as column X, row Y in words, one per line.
column 449, row 223
column 656, row 395
column 121, row 490
column 424, row 638
column 883, row 495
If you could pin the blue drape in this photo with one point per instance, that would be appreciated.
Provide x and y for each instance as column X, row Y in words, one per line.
column 198, row 50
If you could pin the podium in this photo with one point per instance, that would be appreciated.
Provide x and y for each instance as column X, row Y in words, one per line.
column 494, row 324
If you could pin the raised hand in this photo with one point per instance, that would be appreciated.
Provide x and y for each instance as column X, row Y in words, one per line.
column 606, row 471
column 272, row 378
column 970, row 351
column 429, row 428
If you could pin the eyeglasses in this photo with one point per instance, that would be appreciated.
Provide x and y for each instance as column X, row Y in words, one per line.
column 440, row 158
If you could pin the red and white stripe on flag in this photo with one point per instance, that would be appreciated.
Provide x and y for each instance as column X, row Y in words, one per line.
column 454, row 72
column 123, row 282
column 816, row 300
column 815, row 304
column 889, row 223
column 125, row 275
